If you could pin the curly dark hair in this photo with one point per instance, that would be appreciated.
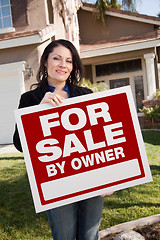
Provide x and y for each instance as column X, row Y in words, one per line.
column 78, row 68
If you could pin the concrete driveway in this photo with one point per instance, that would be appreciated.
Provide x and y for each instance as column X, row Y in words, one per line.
column 8, row 148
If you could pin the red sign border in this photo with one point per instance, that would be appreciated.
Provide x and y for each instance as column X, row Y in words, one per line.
column 96, row 190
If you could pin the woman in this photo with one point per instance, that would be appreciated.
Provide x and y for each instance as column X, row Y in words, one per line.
column 59, row 74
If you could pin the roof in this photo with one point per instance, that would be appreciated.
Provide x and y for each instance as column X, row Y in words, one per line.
column 18, row 34
column 125, row 14
column 41, row 32
column 123, row 44
column 14, row 39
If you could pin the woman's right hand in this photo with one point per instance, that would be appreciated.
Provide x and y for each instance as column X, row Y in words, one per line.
column 52, row 98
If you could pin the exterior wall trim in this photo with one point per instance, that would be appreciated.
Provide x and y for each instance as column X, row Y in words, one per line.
column 27, row 40
column 119, row 49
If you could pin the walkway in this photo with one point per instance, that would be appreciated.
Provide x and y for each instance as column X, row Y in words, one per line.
column 8, row 148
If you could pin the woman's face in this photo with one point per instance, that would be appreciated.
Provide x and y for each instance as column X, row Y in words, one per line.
column 59, row 65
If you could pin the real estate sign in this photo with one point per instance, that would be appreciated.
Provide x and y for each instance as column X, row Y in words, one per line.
column 88, row 146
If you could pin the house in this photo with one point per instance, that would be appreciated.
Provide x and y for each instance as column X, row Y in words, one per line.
column 26, row 27
column 125, row 51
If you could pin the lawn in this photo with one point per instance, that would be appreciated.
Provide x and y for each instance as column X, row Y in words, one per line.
column 140, row 201
column 18, row 219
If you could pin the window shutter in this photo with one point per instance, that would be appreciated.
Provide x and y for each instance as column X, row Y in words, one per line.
column 19, row 12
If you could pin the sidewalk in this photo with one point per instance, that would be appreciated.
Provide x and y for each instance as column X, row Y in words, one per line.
column 8, row 148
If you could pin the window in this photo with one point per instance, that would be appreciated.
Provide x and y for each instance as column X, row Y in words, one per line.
column 119, row 83
column 118, row 67
column 5, row 14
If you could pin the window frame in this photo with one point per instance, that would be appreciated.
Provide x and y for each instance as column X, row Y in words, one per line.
column 7, row 29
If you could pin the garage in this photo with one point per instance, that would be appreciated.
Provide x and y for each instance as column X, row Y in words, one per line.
column 11, row 87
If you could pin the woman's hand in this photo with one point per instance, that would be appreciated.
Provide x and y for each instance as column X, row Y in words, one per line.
column 107, row 194
column 52, row 98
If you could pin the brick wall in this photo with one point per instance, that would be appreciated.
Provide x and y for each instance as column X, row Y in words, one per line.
column 151, row 103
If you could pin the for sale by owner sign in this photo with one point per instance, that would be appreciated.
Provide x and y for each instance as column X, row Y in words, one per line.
column 88, row 146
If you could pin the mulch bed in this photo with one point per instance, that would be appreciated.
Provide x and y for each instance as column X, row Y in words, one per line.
column 149, row 232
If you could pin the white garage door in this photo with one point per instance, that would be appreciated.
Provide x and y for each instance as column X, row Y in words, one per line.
column 11, row 87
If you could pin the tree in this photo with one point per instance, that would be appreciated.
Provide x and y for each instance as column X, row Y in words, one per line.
column 100, row 6
column 129, row 5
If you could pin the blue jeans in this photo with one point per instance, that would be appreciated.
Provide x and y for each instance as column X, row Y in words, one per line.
column 79, row 220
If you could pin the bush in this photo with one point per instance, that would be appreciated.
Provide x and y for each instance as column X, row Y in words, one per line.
column 152, row 113
column 157, row 94
column 95, row 87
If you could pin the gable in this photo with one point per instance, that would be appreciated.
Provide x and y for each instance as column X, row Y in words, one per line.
column 92, row 31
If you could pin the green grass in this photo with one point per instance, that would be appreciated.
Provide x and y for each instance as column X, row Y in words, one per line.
column 140, row 201
column 19, row 221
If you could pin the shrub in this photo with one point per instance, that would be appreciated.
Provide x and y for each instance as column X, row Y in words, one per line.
column 152, row 113
column 95, row 87
column 157, row 94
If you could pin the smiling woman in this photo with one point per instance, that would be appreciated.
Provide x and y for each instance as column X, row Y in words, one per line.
column 58, row 76
column 59, row 66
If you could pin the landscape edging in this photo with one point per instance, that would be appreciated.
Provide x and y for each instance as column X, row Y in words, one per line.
column 130, row 225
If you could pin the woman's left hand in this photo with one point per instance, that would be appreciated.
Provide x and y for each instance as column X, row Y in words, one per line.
column 107, row 194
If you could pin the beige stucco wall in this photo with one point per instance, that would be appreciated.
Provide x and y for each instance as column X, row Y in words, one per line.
column 33, row 60
column 30, row 54
column 36, row 14
column 92, row 31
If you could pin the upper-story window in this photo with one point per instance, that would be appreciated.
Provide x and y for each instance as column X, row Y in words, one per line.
column 5, row 15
